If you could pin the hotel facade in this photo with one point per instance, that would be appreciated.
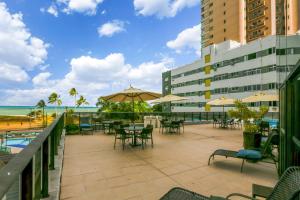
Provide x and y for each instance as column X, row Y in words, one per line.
column 248, row 46
column 233, row 70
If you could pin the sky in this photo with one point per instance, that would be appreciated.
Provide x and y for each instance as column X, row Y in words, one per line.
column 97, row 46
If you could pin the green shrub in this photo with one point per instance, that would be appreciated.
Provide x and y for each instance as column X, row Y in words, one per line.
column 72, row 129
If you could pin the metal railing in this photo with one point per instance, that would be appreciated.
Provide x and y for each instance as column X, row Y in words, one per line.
column 26, row 175
column 139, row 117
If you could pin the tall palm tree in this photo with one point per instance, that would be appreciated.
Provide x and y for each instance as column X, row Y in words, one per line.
column 81, row 101
column 41, row 104
column 73, row 93
column 54, row 98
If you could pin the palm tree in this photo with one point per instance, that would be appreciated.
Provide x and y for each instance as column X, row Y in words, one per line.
column 73, row 93
column 41, row 104
column 54, row 98
column 81, row 101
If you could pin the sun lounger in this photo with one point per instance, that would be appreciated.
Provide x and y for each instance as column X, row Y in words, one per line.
column 251, row 155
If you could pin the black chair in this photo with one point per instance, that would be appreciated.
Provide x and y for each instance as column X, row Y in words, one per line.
column 120, row 134
column 216, row 122
column 175, row 127
column 181, row 122
column 146, row 134
column 287, row 188
column 264, row 127
column 164, row 125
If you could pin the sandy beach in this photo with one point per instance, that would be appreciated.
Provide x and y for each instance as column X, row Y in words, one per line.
column 17, row 123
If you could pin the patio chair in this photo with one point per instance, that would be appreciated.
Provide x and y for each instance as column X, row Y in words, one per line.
column 181, row 123
column 238, row 123
column 164, row 125
column 108, row 128
column 120, row 134
column 146, row 135
column 264, row 127
column 252, row 155
column 86, row 125
column 216, row 122
column 175, row 127
column 230, row 123
column 287, row 188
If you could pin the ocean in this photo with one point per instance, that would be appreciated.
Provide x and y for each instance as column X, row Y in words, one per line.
column 24, row 110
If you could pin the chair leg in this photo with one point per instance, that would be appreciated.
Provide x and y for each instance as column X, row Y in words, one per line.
column 242, row 165
column 151, row 141
column 211, row 156
column 115, row 143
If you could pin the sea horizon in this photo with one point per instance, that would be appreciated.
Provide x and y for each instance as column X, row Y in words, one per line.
column 24, row 110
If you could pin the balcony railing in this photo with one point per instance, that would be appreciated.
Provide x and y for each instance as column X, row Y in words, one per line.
column 188, row 117
column 26, row 175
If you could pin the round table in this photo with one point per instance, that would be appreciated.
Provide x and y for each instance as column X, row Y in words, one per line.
column 134, row 130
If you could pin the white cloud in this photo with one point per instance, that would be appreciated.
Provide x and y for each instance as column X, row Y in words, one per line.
column 20, row 51
column 103, row 12
column 12, row 73
column 88, row 7
column 41, row 78
column 189, row 38
column 110, row 28
column 53, row 10
column 162, row 8
column 92, row 77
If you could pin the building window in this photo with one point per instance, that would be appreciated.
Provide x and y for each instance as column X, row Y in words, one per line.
column 252, row 56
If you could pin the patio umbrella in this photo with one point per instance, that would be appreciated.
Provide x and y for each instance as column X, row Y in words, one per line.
column 222, row 102
column 132, row 94
column 169, row 98
column 260, row 97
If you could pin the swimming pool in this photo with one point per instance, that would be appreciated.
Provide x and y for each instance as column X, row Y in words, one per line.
column 18, row 140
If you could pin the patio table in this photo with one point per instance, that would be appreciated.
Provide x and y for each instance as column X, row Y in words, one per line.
column 134, row 130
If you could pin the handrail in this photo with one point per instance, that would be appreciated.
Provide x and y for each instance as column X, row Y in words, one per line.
column 11, row 171
column 297, row 142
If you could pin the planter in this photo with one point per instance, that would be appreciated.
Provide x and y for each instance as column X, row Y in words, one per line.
column 251, row 140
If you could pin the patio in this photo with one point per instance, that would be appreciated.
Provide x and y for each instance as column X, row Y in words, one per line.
column 92, row 169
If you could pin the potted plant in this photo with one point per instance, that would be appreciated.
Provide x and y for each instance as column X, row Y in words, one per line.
column 251, row 134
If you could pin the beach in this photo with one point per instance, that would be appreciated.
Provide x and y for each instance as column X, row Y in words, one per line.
column 15, row 118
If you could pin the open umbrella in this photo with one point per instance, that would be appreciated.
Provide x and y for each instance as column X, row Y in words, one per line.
column 169, row 98
column 132, row 94
column 260, row 97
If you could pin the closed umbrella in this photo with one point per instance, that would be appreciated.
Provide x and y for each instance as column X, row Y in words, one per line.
column 261, row 97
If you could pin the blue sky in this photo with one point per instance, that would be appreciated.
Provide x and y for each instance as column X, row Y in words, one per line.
column 97, row 46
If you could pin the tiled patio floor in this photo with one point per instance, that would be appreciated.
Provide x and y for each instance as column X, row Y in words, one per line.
column 92, row 169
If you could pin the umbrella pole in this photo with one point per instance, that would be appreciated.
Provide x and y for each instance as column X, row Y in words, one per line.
column 132, row 109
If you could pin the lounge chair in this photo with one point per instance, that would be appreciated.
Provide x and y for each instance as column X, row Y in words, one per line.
column 259, row 155
column 86, row 125
column 287, row 188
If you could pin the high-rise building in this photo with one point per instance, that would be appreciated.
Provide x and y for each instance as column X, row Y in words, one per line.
column 222, row 20
column 233, row 70
column 247, row 20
